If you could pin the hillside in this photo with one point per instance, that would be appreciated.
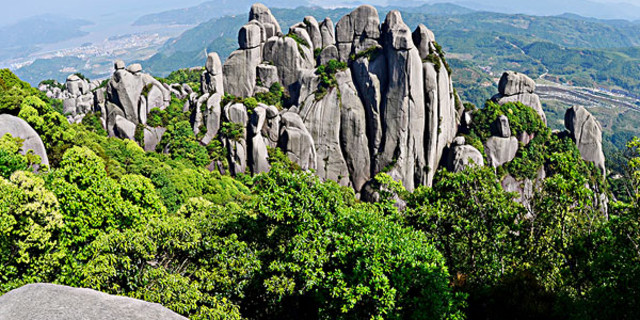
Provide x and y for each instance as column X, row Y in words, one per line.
column 331, row 172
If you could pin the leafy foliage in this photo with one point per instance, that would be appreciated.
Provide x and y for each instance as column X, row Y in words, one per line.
column 327, row 74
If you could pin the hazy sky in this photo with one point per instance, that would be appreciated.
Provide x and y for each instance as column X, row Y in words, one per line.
column 129, row 10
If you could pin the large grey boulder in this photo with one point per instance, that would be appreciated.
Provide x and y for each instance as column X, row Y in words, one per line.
column 501, row 150
column 512, row 83
column 517, row 87
column 124, row 128
column 327, row 31
column 501, row 127
column 132, row 94
column 21, row 129
column 212, row 117
column 262, row 14
column 296, row 141
column 240, row 72
column 313, row 29
column 152, row 137
column 289, row 58
column 249, row 36
column 357, row 31
column 462, row 156
column 267, row 75
column 447, row 117
column 42, row 301
column 258, row 154
column 423, row 38
column 327, row 54
column 212, row 79
column 237, row 147
column 586, row 131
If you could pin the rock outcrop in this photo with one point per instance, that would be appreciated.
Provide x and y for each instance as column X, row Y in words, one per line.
column 586, row 131
column 462, row 156
column 54, row 302
column 131, row 95
column 21, row 129
column 517, row 87
column 392, row 109
column 212, row 80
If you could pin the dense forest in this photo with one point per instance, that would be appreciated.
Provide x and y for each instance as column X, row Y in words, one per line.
column 160, row 227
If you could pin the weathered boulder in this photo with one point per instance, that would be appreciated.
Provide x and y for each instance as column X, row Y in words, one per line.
column 327, row 54
column 152, row 137
column 289, row 58
column 423, row 38
column 353, row 131
column 135, row 68
column 249, row 36
column 237, row 145
column 42, row 301
column 131, row 94
column 239, row 71
column 512, row 83
column 258, row 153
column 313, row 29
column 317, row 114
column 462, row 156
column 501, row 150
column 212, row 117
column 124, row 128
column 370, row 77
column 517, row 87
column 262, row 14
column 357, row 31
column 296, row 141
column 327, row 31
column 19, row 128
column 586, row 131
column 501, row 127
column 212, row 79
column 267, row 75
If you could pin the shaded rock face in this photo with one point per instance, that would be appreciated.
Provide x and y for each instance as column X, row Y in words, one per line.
column 289, row 58
column 212, row 80
column 261, row 13
column 357, row 31
column 586, row 131
column 78, row 97
column 463, row 156
column 296, row 141
column 501, row 150
column 21, row 129
column 517, row 87
column 54, row 302
column 131, row 94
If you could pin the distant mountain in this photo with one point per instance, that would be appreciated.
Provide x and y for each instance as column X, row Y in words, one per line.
column 26, row 34
column 208, row 10
column 554, row 7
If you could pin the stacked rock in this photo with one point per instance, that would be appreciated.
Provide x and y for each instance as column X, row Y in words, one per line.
column 517, row 87
column 393, row 108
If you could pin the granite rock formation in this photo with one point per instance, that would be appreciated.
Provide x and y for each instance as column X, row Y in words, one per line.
column 43, row 301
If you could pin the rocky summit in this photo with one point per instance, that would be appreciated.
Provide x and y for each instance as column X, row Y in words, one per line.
column 360, row 97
